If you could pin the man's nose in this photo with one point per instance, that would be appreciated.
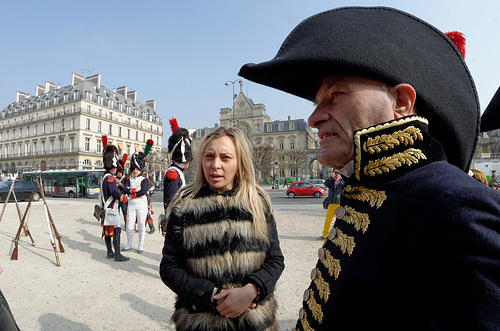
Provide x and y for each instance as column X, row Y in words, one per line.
column 317, row 116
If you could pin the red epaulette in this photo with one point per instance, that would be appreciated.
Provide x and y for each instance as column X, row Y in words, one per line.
column 172, row 174
column 111, row 179
column 147, row 179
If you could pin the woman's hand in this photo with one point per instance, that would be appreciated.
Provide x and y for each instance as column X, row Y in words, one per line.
column 236, row 301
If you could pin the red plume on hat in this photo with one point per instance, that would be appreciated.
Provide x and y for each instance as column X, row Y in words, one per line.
column 173, row 124
column 147, row 149
column 104, row 141
column 458, row 39
column 124, row 158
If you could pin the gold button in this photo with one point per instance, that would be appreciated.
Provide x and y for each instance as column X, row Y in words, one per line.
column 321, row 253
column 306, row 295
column 332, row 234
column 313, row 274
column 340, row 213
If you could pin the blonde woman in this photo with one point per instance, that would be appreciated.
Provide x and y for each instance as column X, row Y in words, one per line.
column 221, row 254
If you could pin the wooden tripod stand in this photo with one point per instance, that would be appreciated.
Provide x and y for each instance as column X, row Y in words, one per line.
column 25, row 226
column 50, row 222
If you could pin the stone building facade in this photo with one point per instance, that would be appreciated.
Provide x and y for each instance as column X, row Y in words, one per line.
column 63, row 126
column 283, row 135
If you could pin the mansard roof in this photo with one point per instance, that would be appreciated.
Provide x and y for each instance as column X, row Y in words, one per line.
column 78, row 91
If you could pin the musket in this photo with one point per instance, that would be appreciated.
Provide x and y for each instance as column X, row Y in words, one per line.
column 16, row 240
column 50, row 220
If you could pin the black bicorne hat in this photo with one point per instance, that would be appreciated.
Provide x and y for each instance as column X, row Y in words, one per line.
column 137, row 161
column 390, row 46
column 179, row 143
column 490, row 120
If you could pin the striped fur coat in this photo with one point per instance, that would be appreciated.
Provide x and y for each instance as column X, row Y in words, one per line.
column 210, row 243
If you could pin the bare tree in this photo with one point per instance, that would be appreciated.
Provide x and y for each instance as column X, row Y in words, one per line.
column 263, row 157
column 295, row 160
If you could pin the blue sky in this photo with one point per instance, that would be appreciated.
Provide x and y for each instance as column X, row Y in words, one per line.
column 181, row 53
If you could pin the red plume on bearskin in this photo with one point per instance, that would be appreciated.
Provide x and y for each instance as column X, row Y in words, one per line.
column 458, row 39
column 173, row 124
column 104, row 141
column 124, row 158
column 149, row 144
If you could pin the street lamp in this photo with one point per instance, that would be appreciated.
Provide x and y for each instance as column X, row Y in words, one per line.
column 61, row 143
column 234, row 96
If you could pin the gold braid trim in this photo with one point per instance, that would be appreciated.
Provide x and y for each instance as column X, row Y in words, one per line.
column 333, row 265
column 388, row 141
column 359, row 220
column 322, row 286
column 305, row 323
column 314, row 307
column 374, row 197
column 345, row 242
column 390, row 163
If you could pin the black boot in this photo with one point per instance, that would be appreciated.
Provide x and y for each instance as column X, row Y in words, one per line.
column 151, row 228
column 110, row 255
column 116, row 242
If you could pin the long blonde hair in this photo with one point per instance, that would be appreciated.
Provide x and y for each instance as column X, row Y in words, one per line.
column 248, row 193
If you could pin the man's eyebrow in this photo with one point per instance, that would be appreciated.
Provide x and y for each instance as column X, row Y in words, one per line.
column 330, row 83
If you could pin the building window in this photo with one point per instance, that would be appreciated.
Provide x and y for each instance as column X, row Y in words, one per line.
column 282, row 173
column 43, row 147
column 292, row 126
column 258, row 128
column 73, row 123
column 99, row 112
column 292, row 144
column 269, row 128
column 88, row 109
column 72, row 144
column 52, row 146
column 99, row 126
column 62, row 124
column 128, row 121
column 293, row 173
column 27, row 131
column 44, row 129
column 119, row 131
column 128, row 133
column 136, row 135
column 34, row 148
column 73, row 108
column 88, row 95
column 87, row 125
column 20, row 132
column 281, row 144
column 53, row 127
column 99, row 145
column 36, row 130
column 87, row 144
column 110, row 129
column 110, row 115
column 281, row 127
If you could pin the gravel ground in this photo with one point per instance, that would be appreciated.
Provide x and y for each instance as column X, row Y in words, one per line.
column 89, row 292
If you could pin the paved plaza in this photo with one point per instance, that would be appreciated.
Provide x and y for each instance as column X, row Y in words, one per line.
column 89, row 292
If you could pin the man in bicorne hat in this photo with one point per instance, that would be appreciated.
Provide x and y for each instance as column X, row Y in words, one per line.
column 416, row 244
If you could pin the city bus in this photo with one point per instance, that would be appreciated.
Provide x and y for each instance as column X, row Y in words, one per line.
column 69, row 183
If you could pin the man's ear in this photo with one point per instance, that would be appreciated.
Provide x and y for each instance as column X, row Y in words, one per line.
column 405, row 97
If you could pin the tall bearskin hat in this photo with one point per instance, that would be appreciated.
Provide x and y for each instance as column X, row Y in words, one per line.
column 390, row 46
column 490, row 120
column 138, row 160
column 109, row 155
column 179, row 143
column 121, row 163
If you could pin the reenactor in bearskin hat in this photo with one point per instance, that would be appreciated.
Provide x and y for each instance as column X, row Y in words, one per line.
column 416, row 243
column 138, row 202
column 179, row 146
column 123, row 182
column 110, row 198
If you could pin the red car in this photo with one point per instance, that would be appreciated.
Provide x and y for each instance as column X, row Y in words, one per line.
column 304, row 189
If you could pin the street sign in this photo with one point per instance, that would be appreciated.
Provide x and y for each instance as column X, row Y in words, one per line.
column 276, row 168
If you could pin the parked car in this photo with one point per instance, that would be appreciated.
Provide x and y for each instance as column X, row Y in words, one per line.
column 304, row 189
column 22, row 189
column 318, row 183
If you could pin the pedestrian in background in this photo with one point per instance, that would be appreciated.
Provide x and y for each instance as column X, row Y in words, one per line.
column 335, row 183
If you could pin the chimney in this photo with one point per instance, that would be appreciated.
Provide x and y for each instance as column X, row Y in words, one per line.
column 76, row 78
column 122, row 90
column 21, row 96
column 96, row 79
column 39, row 89
column 132, row 95
column 49, row 86
column 151, row 103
